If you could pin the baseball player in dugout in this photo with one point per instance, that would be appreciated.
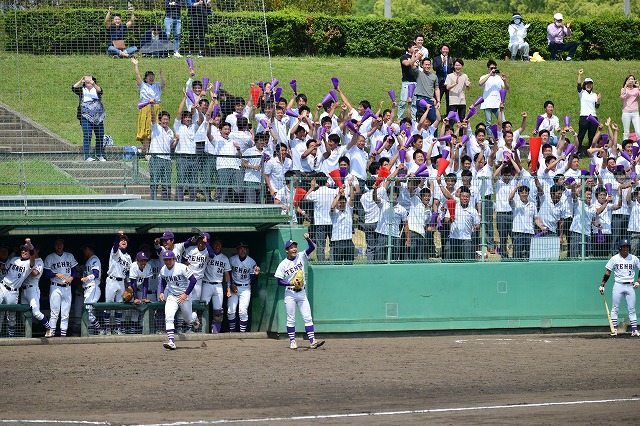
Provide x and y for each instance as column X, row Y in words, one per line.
column 60, row 268
column 290, row 274
column 624, row 266
column 119, row 265
column 18, row 269
column 244, row 271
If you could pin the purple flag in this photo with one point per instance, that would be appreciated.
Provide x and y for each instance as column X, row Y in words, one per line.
column 592, row 169
column 143, row 104
column 608, row 187
column 633, row 175
column 277, row 94
column 422, row 103
column 190, row 63
column 261, row 85
column 408, row 143
column 422, row 168
column 327, row 98
column 569, row 149
column 335, row 82
column 352, row 127
column 294, row 86
column 292, row 113
column 445, row 138
column 274, row 83
column 453, row 117
column 445, row 153
column 567, row 121
column 521, row 142
column 434, row 218
column 605, row 139
column 378, row 146
column 402, row 154
column 626, row 156
column 334, row 95
column 634, row 151
column 390, row 131
column 216, row 87
column 539, row 121
column 205, row 83
column 264, row 124
column 494, row 130
column 191, row 96
column 471, row 113
column 464, row 139
column 215, row 111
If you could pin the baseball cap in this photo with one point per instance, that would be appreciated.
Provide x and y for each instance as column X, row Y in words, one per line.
column 289, row 244
column 24, row 247
column 207, row 236
column 142, row 256
column 58, row 238
column 242, row 244
column 123, row 237
column 516, row 16
column 168, row 254
column 558, row 17
column 167, row 236
column 588, row 80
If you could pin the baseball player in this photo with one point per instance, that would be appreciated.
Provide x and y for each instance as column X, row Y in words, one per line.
column 18, row 269
column 152, row 290
column 119, row 265
column 285, row 273
column 139, row 282
column 177, row 281
column 60, row 268
column 91, row 283
column 196, row 255
column 216, row 272
column 167, row 242
column 4, row 258
column 31, row 289
column 243, row 271
column 624, row 267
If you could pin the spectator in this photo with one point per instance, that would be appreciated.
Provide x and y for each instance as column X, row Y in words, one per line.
column 407, row 62
column 492, row 83
column 456, row 84
column 550, row 122
column 198, row 14
column 589, row 102
column 228, row 166
column 556, row 32
column 91, row 115
column 522, row 229
column 421, row 227
column 149, row 90
column 427, row 89
column 252, row 166
column 419, row 41
column 185, row 130
column 162, row 143
column 173, row 22
column 517, row 34
column 116, row 32
column 275, row 169
column 321, row 197
column 629, row 94
column 464, row 222
column 342, row 224
column 443, row 66
column 393, row 217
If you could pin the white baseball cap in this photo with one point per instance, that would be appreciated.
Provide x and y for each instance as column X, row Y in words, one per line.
column 558, row 17
column 588, row 80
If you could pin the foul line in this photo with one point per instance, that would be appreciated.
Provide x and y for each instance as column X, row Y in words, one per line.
column 389, row 413
column 337, row 416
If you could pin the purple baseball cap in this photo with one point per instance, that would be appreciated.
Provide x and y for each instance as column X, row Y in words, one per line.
column 168, row 254
column 167, row 236
column 289, row 244
column 242, row 244
column 142, row 256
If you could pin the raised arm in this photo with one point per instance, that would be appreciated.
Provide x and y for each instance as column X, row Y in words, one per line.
column 131, row 17
column 107, row 18
column 137, row 70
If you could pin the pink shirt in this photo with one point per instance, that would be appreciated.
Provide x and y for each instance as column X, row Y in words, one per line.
column 629, row 99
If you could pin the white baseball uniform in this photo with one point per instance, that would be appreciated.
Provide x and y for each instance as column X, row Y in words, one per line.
column 31, row 291
column 624, row 270
column 197, row 263
column 241, row 271
column 119, row 265
column 18, row 270
column 212, row 286
column 91, row 289
column 59, row 291
column 174, row 282
column 286, row 271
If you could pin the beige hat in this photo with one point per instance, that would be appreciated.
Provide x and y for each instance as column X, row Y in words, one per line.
column 558, row 17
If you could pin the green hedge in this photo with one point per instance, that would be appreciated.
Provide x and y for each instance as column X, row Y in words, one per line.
column 295, row 34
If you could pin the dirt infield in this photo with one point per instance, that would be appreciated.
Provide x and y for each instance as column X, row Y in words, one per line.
column 491, row 379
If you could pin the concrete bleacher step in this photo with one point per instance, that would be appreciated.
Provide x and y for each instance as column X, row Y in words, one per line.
column 142, row 190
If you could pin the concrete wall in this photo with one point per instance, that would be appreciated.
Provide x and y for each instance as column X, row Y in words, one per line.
column 440, row 296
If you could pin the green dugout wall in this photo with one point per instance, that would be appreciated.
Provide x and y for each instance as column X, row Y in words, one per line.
column 436, row 296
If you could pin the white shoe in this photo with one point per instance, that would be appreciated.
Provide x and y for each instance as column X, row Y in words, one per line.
column 635, row 333
column 50, row 332
column 199, row 56
column 177, row 54
column 615, row 332
column 102, row 332
column 89, row 159
column 195, row 324
column 169, row 345
column 293, row 344
column 101, row 158
column 118, row 332
column 316, row 344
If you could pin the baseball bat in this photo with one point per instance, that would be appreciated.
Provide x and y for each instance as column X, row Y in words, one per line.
column 606, row 305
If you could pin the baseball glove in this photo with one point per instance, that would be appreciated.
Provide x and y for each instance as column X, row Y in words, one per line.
column 127, row 295
column 298, row 280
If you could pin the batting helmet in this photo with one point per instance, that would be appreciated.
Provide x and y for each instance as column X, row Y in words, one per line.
column 624, row 242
